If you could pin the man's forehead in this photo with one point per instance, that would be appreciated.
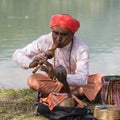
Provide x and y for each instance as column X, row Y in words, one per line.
column 60, row 29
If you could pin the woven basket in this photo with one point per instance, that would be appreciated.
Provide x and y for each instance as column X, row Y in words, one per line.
column 107, row 112
column 68, row 102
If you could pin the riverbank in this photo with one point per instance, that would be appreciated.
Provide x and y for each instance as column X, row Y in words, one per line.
column 19, row 104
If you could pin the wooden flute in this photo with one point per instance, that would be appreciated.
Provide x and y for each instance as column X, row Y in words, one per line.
column 49, row 54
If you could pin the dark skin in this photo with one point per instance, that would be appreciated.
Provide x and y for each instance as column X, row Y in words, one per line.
column 61, row 36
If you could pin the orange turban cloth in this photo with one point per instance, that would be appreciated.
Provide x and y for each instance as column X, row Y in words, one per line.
column 65, row 21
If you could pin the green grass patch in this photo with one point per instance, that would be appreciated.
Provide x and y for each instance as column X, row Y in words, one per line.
column 19, row 104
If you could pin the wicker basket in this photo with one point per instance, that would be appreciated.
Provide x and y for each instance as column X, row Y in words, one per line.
column 107, row 112
column 68, row 102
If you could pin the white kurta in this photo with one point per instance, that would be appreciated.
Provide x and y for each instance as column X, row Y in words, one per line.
column 79, row 58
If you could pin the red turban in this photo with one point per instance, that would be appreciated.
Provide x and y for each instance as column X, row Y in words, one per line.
column 65, row 21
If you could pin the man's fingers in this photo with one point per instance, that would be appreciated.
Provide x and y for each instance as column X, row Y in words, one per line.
column 44, row 68
column 46, row 63
column 33, row 64
column 41, row 56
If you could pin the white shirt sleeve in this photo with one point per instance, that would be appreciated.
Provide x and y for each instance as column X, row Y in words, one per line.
column 24, row 56
column 81, row 73
column 80, row 77
column 21, row 59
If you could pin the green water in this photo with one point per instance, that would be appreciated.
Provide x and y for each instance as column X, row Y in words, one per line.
column 22, row 21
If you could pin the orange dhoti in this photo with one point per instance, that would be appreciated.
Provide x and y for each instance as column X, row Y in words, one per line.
column 42, row 83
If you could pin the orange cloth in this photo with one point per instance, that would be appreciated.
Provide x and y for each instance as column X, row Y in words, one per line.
column 46, row 86
column 65, row 21
column 93, row 86
column 43, row 83
column 55, row 98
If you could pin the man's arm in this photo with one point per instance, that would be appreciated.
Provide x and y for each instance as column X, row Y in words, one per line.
column 23, row 57
column 82, row 70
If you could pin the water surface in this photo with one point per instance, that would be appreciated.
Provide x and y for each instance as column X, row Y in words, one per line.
column 22, row 21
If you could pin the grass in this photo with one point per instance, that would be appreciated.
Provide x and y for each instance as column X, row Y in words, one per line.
column 19, row 104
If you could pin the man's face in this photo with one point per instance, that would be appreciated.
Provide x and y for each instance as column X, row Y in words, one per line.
column 61, row 36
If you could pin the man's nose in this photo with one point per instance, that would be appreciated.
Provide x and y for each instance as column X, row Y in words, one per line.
column 59, row 38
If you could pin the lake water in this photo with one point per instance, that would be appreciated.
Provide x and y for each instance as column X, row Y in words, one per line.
column 22, row 21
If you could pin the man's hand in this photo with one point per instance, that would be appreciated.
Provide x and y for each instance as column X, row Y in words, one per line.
column 48, row 68
column 34, row 63
column 37, row 59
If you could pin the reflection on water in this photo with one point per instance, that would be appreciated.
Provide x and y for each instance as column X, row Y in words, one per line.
column 22, row 21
